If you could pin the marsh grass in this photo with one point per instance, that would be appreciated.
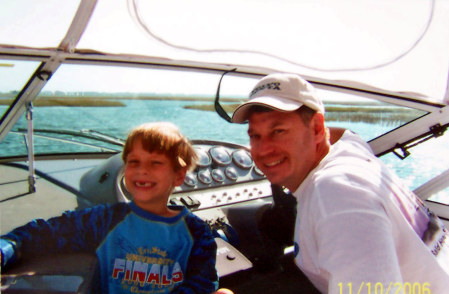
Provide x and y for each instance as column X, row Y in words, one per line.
column 336, row 111
column 362, row 112
column 103, row 101
column 71, row 101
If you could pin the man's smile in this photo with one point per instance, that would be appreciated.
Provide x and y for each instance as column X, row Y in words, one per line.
column 274, row 163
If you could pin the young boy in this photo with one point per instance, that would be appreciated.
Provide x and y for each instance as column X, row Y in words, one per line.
column 144, row 246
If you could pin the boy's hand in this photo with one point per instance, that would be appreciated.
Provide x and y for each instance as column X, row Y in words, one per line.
column 7, row 253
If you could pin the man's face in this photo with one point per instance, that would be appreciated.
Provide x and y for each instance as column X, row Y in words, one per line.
column 282, row 146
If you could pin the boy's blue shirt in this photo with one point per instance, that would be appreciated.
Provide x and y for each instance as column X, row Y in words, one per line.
column 137, row 250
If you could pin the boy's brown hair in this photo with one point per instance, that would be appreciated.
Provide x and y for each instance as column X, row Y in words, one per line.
column 165, row 138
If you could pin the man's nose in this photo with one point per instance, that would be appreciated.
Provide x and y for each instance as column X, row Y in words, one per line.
column 265, row 146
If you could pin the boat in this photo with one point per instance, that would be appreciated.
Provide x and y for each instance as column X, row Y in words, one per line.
column 76, row 76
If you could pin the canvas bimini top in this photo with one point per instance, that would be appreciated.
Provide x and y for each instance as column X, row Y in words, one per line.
column 400, row 46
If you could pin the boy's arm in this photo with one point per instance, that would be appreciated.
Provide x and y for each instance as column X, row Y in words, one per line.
column 73, row 231
column 201, row 275
column 37, row 237
column 7, row 253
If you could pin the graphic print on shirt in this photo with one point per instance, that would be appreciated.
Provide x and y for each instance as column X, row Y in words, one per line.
column 425, row 223
column 436, row 235
column 149, row 267
column 141, row 256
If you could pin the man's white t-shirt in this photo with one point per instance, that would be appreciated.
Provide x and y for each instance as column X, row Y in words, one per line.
column 358, row 228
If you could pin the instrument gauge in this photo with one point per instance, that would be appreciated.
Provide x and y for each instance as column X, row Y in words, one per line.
column 258, row 171
column 190, row 180
column 242, row 159
column 203, row 158
column 218, row 175
column 204, row 177
column 220, row 155
column 231, row 173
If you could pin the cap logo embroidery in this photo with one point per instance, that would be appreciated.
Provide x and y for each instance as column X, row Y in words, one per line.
column 271, row 86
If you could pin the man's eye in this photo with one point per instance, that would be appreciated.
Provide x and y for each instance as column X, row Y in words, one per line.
column 279, row 131
column 252, row 137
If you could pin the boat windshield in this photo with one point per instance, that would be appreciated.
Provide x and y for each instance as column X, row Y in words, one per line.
column 91, row 108
column 82, row 104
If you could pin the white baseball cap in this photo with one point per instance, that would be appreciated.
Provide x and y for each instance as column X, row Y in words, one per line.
column 281, row 92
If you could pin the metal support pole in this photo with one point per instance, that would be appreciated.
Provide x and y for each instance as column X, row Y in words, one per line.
column 30, row 148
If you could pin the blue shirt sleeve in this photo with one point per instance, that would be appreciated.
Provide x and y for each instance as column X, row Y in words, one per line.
column 73, row 231
column 201, row 275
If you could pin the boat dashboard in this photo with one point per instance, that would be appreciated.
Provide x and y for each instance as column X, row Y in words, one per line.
column 225, row 189
column 225, row 174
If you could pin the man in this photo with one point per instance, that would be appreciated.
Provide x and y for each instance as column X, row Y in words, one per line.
column 358, row 228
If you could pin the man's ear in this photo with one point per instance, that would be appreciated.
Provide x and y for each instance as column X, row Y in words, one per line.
column 317, row 124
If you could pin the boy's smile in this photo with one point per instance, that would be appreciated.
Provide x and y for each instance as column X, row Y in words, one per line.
column 143, row 184
column 150, row 177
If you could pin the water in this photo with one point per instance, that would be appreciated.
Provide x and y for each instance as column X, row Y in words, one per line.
column 426, row 160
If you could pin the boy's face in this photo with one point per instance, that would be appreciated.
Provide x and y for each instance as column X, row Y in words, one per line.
column 150, row 177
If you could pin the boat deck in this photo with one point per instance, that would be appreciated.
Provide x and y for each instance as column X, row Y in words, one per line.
column 15, row 197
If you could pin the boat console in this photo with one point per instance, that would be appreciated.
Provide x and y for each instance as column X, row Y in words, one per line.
column 225, row 189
